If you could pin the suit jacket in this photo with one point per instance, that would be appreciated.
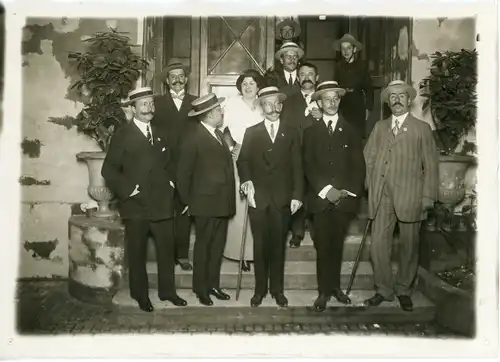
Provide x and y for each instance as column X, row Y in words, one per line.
column 275, row 169
column 293, row 113
column 276, row 77
column 407, row 163
column 335, row 160
column 132, row 160
column 205, row 175
column 166, row 113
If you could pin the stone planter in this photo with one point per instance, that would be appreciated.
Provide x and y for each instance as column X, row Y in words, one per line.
column 97, row 186
column 452, row 171
column 96, row 258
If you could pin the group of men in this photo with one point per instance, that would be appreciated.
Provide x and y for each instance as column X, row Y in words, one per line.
column 172, row 162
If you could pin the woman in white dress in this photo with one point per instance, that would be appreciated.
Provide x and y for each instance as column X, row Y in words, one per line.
column 241, row 112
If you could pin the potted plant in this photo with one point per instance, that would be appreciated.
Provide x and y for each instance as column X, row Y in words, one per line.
column 450, row 92
column 108, row 70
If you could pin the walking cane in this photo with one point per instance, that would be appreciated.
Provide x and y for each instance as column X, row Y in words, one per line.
column 242, row 249
column 358, row 257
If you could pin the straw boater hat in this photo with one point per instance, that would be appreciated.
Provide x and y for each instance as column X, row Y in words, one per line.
column 398, row 85
column 173, row 63
column 329, row 85
column 137, row 94
column 287, row 46
column 205, row 104
column 347, row 38
column 271, row 91
column 291, row 23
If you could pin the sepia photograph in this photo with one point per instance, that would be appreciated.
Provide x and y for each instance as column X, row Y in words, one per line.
column 302, row 175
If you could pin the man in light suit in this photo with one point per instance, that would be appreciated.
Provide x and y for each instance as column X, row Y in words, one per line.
column 402, row 181
column 140, row 169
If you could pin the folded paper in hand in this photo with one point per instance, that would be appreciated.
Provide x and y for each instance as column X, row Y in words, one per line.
column 310, row 107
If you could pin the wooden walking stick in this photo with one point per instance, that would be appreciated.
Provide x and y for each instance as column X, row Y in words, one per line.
column 358, row 257
column 242, row 249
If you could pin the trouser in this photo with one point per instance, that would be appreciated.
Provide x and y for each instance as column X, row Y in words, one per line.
column 269, row 229
column 330, row 229
column 136, row 235
column 182, row 230
column 381, row 250
column 211, row 233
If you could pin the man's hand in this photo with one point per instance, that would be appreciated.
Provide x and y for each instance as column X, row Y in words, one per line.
column 334, row 195
column 427, row 203
column 316, row 113
column 295, row 205
column 247, row 187
column 135, row 192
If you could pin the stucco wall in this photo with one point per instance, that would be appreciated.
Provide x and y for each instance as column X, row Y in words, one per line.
column 53, row 181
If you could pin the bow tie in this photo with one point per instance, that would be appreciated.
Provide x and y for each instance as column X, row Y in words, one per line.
column 177, row 96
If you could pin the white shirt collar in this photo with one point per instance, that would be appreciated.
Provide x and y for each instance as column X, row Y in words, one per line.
column 293, row 74
column 210, row 129
column 177, row 94
column 276, row 126
column 334, row 119
column 307, row 95
column 400, row 119
column 143, row 126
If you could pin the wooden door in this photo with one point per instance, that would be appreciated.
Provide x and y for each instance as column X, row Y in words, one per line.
column 228, row 46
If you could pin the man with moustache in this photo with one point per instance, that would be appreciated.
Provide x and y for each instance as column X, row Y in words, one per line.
column 335, row 171
column 270, row 169
column 352, row 75
column 172, row 112
column 205, row 178
column 300, row 112
column 140, row 169
column 286, row 78
column 402, row 182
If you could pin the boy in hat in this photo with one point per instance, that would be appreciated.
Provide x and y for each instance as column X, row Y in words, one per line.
column 352, row 75
column 140, row 169
column 335, row 170
column 205, row 178
column 285, row 78
column 270, row 170
column 172, row 112
column 402, row 181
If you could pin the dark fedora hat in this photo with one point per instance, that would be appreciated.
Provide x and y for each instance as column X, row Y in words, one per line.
column 173, row 63
column 288, row 22
column 347, row 38
column 204, row 104
column 329, row 85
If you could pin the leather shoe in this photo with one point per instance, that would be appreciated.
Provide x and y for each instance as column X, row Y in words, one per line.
column 185, row 265
column 320, row 302
column 341, row 296
column 374, row 301
column 219, row 294
column 281, row 300
column 295, row 242
column 205, row 299
column 256, row 300
column 145, row 305
column 175, row 300
column 405, row 303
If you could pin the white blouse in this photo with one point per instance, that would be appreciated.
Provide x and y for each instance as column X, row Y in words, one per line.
column 238, row 117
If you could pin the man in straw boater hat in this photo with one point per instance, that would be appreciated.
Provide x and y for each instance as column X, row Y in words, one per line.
column 285, row 77
column 172, row 112
column 205, row 177
column 270, row 170
column 140, row 169
column 352, row 75
column 335, row 170
column 402, row 182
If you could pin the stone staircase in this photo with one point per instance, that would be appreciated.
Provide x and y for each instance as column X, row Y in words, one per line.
column 300, row 289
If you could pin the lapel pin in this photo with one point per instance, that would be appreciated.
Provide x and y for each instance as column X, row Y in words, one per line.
column 159, row 139
column 163, row 149
column 345, row 146
column 405, row 129
column 340, row 129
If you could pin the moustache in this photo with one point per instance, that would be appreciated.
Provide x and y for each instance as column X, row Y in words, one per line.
column 147, row 113
column 307, row 81
column 397, row 103
column 178, row 82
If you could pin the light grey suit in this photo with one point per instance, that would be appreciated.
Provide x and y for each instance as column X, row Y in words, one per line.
column 401, row 171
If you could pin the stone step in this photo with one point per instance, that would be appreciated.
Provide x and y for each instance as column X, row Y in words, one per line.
column 298, row 275
column 299, row 309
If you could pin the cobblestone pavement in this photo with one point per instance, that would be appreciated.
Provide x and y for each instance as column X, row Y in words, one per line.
column 45, row 307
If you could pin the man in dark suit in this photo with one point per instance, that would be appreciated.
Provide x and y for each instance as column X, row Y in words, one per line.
column 300, row 113
column 335, row 170
column 270, row 170
column 172, row 112
column 140, row 169
column 402, row 178
column 285, row 77
column 206, row 185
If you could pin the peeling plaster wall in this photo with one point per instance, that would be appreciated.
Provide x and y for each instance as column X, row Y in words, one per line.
column 52, row 178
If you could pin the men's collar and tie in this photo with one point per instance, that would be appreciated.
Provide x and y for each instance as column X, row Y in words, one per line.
column 179, row 95
column 397, row 121
column 291, row 77
column 331, row 123
column 148, row 134
column 145, row 128
column 272, row 128
column 215, row 132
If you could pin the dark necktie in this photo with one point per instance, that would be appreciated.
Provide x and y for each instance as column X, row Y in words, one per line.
column 290, row 81
column 218, row 133
column 148, row 135
column 330, row 128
